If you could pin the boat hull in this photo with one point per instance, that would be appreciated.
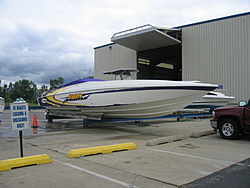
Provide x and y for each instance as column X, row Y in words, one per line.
column 2, row 105
column 211, row 101
column 124, row 99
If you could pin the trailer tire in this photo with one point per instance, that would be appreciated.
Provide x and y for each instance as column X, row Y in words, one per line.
column 50, row 120
column 229, row 129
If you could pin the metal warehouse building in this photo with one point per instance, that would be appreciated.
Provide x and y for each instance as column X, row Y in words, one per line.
column 214, row 51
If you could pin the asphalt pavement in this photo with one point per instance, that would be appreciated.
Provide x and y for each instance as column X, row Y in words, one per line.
column 206, row 161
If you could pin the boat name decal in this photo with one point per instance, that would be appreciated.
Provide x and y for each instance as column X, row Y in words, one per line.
column 76, row 97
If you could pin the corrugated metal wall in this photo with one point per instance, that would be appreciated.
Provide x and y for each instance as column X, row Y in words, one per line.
column 111, row 57
column 219, row 52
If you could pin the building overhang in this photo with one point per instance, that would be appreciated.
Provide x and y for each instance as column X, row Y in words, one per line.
column 147, row 37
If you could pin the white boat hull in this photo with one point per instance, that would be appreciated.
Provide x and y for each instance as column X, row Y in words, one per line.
column 212, row 100
column 2, row 105
column 124, row 98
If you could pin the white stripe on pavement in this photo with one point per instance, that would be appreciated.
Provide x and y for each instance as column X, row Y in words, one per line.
column 96, row 174
column 193, row 156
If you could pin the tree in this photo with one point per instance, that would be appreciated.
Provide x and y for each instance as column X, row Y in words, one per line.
column 7, row 99
column 25, row 89
column 5, row 92
column 56, row 82
column 43, row 89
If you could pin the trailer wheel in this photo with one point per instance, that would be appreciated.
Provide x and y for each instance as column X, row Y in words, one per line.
column 229, row 129
column 85, row 124
column 50, row 120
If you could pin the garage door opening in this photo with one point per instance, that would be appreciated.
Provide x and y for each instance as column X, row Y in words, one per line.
column 158, row 51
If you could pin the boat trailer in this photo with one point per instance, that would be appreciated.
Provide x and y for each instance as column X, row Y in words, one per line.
column 138, row 121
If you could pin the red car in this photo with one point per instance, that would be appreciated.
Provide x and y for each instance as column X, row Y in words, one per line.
column 232, row 120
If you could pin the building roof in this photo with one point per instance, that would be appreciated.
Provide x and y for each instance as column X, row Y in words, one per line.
column 212, row 20
column 154, row 31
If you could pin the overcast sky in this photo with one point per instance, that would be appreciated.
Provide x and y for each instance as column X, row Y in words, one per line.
column 45, row 39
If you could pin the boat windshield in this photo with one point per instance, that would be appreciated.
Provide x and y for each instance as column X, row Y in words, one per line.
column 122, row 74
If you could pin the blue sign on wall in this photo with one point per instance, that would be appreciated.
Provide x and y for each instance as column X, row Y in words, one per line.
column 220, row 86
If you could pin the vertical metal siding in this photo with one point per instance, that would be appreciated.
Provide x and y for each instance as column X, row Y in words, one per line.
column 111, row 57
column 219, row 52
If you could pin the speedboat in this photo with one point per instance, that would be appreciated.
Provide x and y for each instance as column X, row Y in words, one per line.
column 99, row 99
column 2, row 105
column 211, row 101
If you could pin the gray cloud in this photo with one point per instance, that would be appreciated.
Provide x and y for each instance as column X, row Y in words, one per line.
column 43, row 55
column 42, row 40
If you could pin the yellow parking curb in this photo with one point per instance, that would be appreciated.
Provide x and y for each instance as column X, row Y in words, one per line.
column 24, row 161
column 101, row 149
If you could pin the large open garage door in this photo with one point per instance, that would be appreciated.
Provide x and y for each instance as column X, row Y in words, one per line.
column 158, row 51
